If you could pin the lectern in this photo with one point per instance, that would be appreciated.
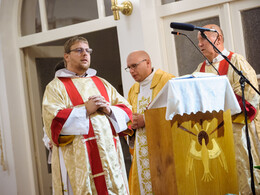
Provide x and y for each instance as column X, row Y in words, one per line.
column 190, row 137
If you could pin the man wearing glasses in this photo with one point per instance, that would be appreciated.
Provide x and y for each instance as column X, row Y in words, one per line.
column 148, row 84
column 83, row 115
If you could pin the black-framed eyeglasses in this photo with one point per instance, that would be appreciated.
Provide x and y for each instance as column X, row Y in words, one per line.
column 81, row 50
column 133, row 66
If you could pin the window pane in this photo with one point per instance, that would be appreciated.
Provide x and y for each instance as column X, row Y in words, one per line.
column 108, row 7
column 251, row 28
column 188, row 56
column 168, row 1
column 66, row 12
column 30, row 17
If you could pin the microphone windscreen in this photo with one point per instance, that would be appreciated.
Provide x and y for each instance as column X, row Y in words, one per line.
column 182, row 26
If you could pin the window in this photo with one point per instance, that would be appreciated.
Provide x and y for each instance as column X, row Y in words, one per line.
column 251, row 29
column 188, row 56
column 60, row 13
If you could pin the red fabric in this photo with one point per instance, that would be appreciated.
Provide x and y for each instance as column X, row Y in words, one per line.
column 202, row 68
column 251, row 111
column 92, row 147
column 100, row 181
column 223, row 68
column 223, row 65
column 72, row 91
column 100, row 87
column 57, row 124
column 61, row 117
column 103, row 92
column 99, row 84
column 95, row 161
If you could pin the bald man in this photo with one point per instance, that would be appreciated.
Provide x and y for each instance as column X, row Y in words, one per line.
column 252, row 100
column 148, row 84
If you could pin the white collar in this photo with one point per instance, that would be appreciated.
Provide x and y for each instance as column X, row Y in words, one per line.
column 148, row 79
column 66, row 73
column 219, row 57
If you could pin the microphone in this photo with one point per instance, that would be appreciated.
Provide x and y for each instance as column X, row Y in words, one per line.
column 178, row 33
column 189, row 27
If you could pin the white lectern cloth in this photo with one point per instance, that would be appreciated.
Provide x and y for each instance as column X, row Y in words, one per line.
column 190, row 95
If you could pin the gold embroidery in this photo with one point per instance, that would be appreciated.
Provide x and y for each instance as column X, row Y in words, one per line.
column 142, row 152
column 143, row 103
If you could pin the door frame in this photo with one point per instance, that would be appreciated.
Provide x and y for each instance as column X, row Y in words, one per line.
column 44, row 179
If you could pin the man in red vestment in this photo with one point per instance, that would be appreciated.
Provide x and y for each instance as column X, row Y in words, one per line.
column 83, row 115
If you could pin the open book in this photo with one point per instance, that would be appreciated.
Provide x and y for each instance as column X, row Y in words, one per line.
column 196, row 75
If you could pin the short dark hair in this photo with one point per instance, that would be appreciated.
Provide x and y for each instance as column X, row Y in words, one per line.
column 72, row 41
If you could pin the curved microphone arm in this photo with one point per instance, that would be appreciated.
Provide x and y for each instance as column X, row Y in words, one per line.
column 178, row 33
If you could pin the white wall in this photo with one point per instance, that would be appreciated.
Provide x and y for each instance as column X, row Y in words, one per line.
column 7, row 177
column 19, row 177
column 138, row 32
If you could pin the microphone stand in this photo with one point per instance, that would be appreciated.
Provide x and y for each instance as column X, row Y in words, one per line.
column 178, row 33
column 242, row 81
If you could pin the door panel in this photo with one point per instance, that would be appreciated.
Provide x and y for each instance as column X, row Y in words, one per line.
column 37, row 80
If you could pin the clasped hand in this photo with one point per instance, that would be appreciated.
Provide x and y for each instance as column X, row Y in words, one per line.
column 97, row 102
column 138, row 121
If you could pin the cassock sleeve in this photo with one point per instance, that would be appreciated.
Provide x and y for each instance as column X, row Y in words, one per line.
column 77, row 123
column 252, row 98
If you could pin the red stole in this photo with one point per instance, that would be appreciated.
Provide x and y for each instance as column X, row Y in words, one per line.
column 223, row 65
column 223, row 69
column 91, row 142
